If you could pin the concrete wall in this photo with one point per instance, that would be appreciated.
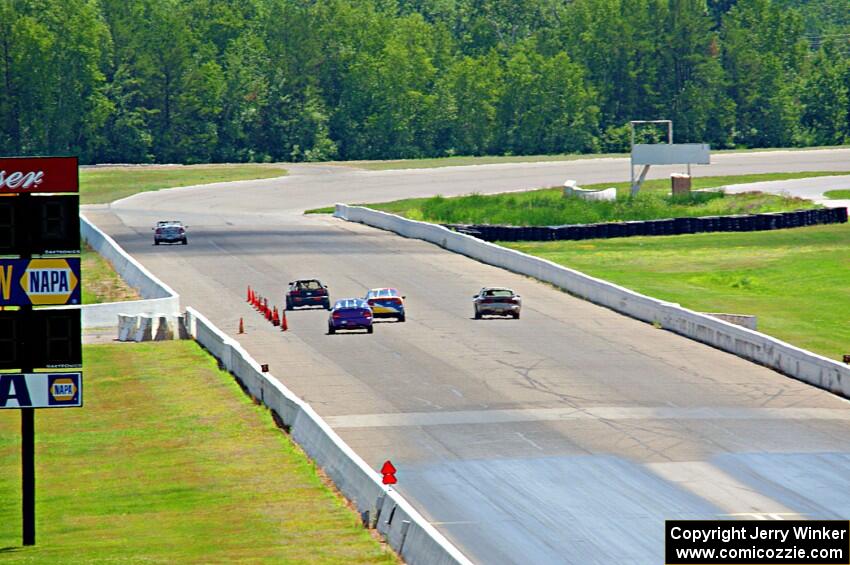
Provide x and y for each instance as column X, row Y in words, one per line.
column 159, row 297
column 408, row 533
column 754, row 346
column 749, row 322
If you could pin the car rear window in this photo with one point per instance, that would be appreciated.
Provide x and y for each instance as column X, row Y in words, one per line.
column 499, row 293
column 308, row 285
column 382, row 293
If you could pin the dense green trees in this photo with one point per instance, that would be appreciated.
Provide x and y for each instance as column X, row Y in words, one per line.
column 256, row 80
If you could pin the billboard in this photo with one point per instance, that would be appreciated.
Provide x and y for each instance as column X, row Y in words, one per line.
column 39, row 174
column 671, row 154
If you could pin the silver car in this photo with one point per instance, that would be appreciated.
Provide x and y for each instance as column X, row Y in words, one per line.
column 496, row 301
column 169, row 231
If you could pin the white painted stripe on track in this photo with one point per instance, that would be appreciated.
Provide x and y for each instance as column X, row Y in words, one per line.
column 721, row 489
column 464, row 417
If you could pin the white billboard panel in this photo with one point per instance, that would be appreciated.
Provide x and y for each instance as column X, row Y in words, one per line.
column 671, row 154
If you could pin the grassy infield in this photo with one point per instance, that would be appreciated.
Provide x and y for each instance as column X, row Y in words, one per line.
column 549, row 208
column 795, row 281
column 108, row 184
column 838, row 194
column 144, row 472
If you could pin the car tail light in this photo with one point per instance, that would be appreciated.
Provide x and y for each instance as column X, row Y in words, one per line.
column 487, row 301
column 158, row 231
column 337, row 315
column 182, row 231
column 321, row 292
column 395, row 300
column 367, row 314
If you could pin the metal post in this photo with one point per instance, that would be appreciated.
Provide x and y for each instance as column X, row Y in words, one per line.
column 27, row 439
column 28, row 474
column 632, row 159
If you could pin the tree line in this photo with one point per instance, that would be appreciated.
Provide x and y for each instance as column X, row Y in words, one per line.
column 303, row 80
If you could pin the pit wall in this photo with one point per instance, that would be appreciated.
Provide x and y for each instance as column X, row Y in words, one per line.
column 748, row 344
column 416, row 540
column 159, row 298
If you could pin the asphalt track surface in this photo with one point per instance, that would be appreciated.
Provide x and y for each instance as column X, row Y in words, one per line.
column 567, row 436
column 810, row 188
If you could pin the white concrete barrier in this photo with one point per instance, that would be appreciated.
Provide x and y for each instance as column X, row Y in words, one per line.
column 164, row 329
column 751, row 345
column 409, row 533
column 571, row 189
column 746, row 321
column 127, row 327
column 158, row 297
column 144, row 330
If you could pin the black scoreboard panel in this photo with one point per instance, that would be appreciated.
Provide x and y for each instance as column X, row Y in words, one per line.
column 10, row 218
column 11, row 341
column 39, row 225
column 40, row 339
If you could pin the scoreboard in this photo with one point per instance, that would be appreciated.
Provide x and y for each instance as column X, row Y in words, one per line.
column 40, row 341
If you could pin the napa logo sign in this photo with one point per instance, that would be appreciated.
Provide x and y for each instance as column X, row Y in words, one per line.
column 41, row 390
column 39, row 282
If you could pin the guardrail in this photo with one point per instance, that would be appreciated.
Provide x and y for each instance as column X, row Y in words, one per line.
column 669, row 226
column 159, row 298
column 748, row 344
column 413, row 537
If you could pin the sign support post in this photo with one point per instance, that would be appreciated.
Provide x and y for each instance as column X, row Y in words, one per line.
column 28, row 474
column 27, row 448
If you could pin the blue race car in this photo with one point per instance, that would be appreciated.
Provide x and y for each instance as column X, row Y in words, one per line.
column 350, row 314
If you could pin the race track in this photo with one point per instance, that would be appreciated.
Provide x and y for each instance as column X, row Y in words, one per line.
column 568, row 436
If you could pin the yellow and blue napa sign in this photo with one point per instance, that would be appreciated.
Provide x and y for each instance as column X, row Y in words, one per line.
column 41, row 390
column 39, row 282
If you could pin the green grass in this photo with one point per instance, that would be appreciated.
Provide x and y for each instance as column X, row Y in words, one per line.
column 548, row 207
column 169, row 462
column 837, row 194
column 110, row 184
column 100, row 281
column 795, row 280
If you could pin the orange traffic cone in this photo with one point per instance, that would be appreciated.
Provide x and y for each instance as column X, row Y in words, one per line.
column 283, row 325
column 249, row 293
column 241, row 326
column 275, row 317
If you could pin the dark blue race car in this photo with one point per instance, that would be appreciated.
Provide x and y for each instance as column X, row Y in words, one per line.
column 350, row 314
